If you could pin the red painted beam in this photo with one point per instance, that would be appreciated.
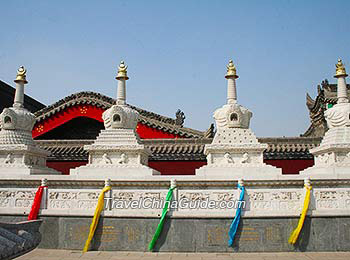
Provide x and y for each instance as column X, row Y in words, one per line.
column 66, row 115
column 90, row 111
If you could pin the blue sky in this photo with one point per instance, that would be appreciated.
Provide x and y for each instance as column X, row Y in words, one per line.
column 177, row 53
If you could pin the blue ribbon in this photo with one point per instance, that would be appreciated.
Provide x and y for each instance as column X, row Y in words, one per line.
column 235, row 222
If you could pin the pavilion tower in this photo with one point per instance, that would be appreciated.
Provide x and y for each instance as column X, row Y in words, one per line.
column 235, row 151
column 117, row 152
column 19, row 155
column 332, row 157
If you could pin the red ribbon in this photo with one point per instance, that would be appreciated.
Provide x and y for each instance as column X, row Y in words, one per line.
column 36, row 204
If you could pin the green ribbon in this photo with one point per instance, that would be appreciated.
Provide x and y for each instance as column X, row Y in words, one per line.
column 162, row 219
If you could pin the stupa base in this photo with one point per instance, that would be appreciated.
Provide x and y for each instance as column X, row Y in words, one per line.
column 96, row 172
column 258, row 172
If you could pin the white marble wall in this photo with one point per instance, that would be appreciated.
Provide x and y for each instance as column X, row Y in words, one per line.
column 280, row 200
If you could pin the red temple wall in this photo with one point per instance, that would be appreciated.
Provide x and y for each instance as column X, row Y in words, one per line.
column 189, row 167
column 176, row 167
column 64, row 166
column 291, row 166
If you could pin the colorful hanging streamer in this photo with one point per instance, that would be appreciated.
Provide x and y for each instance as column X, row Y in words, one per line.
column 98, row 210
column 33, row 215
column 235, row 222
column 161, row 222
column 295, row 234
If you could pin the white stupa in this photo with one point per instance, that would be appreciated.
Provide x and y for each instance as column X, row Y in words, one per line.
column 332, row 157
column 235, row 151
column 19, row 155
column 117, row 152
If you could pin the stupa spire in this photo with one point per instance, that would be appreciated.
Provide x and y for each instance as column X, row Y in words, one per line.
column 235, row 152
column 20, row 81
column 332, row 156
column 340, row 74
column 121, row 77
column 117, row 151
column 231, row 77
column 19, row 154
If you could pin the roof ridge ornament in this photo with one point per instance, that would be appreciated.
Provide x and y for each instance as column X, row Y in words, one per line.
column 21, row 75
column 231, row 70
column 180, row 118
column 340, row 69
column 122, row 71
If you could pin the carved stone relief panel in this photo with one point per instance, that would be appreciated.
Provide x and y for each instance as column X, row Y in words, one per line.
column 72, row 199
column 326, row 199
column 273, row 200
column 16, row 198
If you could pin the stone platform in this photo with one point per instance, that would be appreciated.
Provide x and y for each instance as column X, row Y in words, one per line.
column 271, row 212
column 195, row 234
column 49, row 254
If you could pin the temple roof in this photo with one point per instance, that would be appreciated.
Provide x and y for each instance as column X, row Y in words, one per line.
column 326, row 94
column 150, row 119
column 7, row 94
column 185, row 149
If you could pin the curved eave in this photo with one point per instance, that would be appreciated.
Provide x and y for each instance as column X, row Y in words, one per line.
column 99, row 103
column 310, row 103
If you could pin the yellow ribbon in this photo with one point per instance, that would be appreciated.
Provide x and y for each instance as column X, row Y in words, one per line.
column 98, row 210
column 295, row 234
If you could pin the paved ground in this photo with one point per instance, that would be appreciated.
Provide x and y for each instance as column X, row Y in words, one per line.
column 49, row 254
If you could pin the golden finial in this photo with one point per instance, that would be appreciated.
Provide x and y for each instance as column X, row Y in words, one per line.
column 122, row 71
column 21, row 75
column 340, row 69
column 231, row 70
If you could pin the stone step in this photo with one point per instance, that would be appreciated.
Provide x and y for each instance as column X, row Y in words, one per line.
column 30, row 240
column 13, row 237
column 9, row 245
column 3, row 253
column 18, row 238
column 116, row 141
column 118, row 136
column 118, row 133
